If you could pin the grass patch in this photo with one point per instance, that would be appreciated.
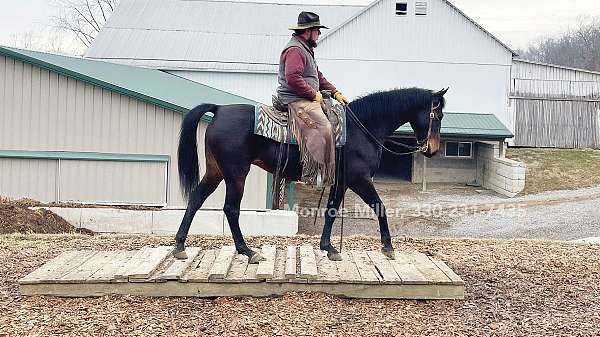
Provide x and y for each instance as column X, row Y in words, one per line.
column 558, row 169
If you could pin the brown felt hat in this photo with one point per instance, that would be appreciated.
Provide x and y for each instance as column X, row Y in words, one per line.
column 308, row 20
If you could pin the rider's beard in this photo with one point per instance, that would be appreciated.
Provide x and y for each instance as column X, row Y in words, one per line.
column 312, row 43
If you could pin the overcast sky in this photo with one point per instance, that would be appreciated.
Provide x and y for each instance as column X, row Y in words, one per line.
column 516, row 22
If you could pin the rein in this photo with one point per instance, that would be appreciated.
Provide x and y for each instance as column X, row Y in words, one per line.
column 422, row 148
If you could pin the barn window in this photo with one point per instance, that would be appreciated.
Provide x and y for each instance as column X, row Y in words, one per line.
column 421, row 8
column 401, row 8
column 459, row 149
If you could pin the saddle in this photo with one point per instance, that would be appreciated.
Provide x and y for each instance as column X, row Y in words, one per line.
column 272, row 122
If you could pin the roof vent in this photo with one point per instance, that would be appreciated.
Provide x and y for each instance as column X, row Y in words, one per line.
column 421, row 8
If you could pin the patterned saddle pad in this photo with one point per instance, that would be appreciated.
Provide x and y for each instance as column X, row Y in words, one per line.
column 273, row 124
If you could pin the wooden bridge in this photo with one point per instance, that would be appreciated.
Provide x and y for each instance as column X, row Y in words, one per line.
column 152, row 271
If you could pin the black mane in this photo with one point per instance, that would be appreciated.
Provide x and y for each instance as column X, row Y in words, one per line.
column 400, row 100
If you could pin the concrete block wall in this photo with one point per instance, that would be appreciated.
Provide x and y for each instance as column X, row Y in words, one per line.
column 497, row 173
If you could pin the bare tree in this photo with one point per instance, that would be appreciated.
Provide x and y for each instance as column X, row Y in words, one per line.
column 84, row 18
column 578, row 48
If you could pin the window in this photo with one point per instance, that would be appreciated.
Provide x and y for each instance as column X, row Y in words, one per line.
column 459, row 149
column 421, row 8
column 401, row 8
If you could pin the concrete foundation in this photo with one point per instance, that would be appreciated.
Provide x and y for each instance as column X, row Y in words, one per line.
column 211, row 222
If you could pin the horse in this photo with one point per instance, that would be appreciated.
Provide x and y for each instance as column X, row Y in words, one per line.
column 231, row 147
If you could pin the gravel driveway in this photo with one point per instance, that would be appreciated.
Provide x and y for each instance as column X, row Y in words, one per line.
column 463, row 211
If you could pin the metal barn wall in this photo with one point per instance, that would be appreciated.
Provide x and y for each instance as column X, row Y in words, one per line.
column 555, row 106
column 258, row 87
column 43, row 111
column 379, row 50
column 24, row 178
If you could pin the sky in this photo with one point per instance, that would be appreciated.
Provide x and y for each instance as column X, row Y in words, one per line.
column 515, row 22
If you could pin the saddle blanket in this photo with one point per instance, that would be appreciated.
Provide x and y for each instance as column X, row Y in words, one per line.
column 273, row 124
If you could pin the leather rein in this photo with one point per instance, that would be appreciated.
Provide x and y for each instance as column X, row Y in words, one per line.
column 421, row 148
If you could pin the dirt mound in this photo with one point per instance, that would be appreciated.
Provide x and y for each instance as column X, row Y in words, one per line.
column 16, row 217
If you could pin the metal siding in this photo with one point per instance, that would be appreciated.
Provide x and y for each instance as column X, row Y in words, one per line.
column 25, row 178
column 257, row 87
column 76, row 116
column 411, row 38
column 112, row 182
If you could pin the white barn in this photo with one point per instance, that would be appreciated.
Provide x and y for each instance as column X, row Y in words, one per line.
column 235, row 46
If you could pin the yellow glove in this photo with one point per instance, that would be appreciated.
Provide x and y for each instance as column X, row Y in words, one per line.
column 318, row 97
column 340, row 97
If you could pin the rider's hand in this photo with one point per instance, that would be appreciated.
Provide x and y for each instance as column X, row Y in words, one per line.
column 318, row 97
column 340, row 97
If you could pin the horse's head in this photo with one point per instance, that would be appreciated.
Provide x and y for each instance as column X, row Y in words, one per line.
column 427, row 124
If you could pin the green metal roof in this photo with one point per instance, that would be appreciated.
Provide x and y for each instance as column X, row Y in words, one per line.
column 148, row 85
column 473, row 125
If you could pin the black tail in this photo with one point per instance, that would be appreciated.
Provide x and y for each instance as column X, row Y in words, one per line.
column 187, row 152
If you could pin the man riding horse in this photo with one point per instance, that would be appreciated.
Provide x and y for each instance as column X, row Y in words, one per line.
column 232, row 146
column 300, row 83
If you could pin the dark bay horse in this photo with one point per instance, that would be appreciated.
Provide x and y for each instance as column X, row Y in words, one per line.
column 232, row 146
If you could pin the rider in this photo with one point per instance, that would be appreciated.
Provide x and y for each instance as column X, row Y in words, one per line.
column 300, row 82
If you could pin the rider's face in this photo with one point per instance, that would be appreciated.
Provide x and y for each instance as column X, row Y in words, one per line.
column 315, row 33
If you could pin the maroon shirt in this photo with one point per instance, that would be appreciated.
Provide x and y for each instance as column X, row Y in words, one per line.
column 294, row 68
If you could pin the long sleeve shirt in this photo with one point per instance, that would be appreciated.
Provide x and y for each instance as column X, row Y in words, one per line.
column 294, row 68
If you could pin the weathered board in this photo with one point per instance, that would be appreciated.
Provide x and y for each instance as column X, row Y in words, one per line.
column 152, row 271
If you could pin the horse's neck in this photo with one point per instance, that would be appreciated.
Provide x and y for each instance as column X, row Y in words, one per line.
column 382, row 123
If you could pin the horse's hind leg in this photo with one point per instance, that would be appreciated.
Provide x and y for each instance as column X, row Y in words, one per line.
column 205, row 188
column 366, row 191
column 233, row 197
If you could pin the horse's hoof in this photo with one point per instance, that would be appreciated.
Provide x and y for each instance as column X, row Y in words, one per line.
column 256, row 258
column 180, row 254
column 389, row 253
column 334, row 256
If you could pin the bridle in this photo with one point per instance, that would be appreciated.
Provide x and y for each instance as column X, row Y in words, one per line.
column 422, row 144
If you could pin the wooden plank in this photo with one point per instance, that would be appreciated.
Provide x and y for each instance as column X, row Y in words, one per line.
column 279, row 268
column 89, row 267
column 141, row 266
column 368, row 273
column 108, row 271
column 81, row 257
column 406, row 269
column 448, row 271
column 347, row 269
column 135, row 260
column 176, row 269
column 261, row 289
column 222, row 263
column 384, row 267
column 39, row 275
column 429, row 269
column 238, row 269
column 200, row 272
column 290, row 262
column 308, row 263
column 250, row 274
column 267, row 266
column 328, row 272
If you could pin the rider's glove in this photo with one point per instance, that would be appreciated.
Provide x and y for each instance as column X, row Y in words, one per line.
column 340, row 97
column 318, row 97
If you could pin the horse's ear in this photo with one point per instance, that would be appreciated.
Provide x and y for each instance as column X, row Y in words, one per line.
column 441, row 93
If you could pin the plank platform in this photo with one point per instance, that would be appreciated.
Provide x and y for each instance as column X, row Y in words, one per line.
column 152, row 271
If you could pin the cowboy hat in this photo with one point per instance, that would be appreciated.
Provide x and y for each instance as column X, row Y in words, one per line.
column 308, row 20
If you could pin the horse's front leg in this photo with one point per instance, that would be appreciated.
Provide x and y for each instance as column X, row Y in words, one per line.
column 336, row 194
column 366, row 191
